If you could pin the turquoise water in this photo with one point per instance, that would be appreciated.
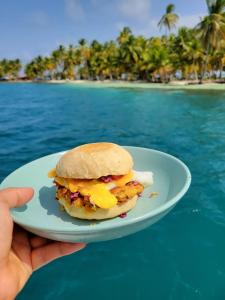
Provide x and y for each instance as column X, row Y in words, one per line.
column 180, row 257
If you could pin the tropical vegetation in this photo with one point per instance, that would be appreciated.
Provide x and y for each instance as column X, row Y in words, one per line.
column 192, row 53
column 10, row 68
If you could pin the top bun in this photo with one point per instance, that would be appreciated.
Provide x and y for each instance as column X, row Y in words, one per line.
column 91, row 161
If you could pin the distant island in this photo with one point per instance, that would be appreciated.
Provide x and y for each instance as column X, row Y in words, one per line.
column 193, row 55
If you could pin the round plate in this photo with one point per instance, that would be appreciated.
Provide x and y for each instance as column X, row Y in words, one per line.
column 42, row 215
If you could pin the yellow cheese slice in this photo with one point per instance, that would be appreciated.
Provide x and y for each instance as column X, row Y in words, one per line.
column 123, row 180
column 76, row 184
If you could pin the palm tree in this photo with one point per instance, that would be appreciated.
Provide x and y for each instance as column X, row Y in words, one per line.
column 124, row 35
column 5, row 67
column 211, row 29
column 58, row 57
column 195, row 57
column 10, row 68
column 189, row 53
column 30, row 70
column 84, row 54
column 95, row 60
column 169, row 19
column 110, row 58
column 71, row 59
column 186, row 53
column 159, row 58
column 14, row 67
column 217, row 60
column 1, row 70
column 50, row 66
column 129, row 52
column 36, row 68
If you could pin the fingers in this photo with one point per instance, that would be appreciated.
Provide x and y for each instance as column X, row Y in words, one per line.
column 38, row 241
column 14, row 197
column 43, row 255
column 6, row 228
column 10, row 198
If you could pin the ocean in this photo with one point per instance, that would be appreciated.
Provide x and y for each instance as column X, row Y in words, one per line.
column 180, row 257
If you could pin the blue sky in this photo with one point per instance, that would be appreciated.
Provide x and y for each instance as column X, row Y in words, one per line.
column 29, row 28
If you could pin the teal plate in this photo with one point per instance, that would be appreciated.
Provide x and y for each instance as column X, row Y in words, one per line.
column 43, row 216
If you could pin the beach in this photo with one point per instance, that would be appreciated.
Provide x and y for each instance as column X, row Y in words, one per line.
column 173, row 85
column 143, row 85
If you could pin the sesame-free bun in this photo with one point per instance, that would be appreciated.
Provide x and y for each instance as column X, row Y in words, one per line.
column 91, row 161
column 100, row 213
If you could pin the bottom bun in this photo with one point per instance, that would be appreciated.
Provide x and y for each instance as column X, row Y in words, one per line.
column 100, row 213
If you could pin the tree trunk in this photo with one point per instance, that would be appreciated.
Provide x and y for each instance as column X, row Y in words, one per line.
column 205, row 64
column 196, row 75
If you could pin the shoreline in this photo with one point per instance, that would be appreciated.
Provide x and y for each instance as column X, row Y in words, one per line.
column 184, row 85
column 143, row 85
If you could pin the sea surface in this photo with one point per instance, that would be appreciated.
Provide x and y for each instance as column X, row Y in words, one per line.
column 180, row 257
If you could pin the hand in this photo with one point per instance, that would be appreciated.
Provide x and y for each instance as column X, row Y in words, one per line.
column 21, row 254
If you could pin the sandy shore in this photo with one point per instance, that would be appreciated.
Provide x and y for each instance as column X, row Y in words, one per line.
column 122, row 84
column 184, row 85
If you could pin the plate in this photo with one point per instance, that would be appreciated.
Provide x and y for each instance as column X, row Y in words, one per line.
column 43, row 216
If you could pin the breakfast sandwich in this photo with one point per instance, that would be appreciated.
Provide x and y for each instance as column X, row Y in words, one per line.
column 97, row 181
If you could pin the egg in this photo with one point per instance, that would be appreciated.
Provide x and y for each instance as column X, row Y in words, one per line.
column 99, row 195
column 145, row 178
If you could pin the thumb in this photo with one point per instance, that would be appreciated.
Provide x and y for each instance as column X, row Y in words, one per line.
column 14, row 197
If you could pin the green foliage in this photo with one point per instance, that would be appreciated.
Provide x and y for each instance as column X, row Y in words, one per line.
column 169, row 19
column 189, row 54
column 10, row 68
column 211, row 29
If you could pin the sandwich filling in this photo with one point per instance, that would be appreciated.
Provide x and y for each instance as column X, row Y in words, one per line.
column 104, row 192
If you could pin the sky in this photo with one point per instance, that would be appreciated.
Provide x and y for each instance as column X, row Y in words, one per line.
column 30, row 28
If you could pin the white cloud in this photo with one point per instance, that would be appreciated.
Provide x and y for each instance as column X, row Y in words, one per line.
column 74, row 10
column 135, row 9
column 39, row 18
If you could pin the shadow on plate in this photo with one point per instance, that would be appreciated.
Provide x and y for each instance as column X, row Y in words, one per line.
column 20, row 208
column 48, row 202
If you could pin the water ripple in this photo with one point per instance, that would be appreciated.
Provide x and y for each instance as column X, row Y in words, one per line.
column 182, row 256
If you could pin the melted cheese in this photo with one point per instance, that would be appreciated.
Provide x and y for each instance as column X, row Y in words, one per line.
column 124, row 179
column 98, row 191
